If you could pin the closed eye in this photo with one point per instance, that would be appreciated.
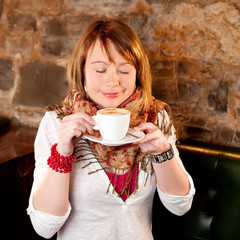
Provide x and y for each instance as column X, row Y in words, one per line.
column 124, row 72
column 100, row 71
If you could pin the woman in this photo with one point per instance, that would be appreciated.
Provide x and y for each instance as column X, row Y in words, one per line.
column 107, row 191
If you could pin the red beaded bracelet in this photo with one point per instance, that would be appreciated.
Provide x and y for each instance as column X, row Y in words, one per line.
column 58, row 162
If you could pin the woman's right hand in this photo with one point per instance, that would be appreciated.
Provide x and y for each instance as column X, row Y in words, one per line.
column 72, row 127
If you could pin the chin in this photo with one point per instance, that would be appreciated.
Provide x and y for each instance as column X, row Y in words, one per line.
column 111, row 104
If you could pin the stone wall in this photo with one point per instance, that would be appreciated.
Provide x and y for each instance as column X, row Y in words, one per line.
column 193, row 47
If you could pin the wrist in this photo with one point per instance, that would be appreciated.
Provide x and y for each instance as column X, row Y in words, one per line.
column 164, row 156
column 64, row 150
column 58, row 162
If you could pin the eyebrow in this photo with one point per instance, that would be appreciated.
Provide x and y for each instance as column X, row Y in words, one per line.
column 99, row 62
column 121, row 64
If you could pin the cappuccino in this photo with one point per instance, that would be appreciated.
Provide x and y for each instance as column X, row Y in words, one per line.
column 113, row 111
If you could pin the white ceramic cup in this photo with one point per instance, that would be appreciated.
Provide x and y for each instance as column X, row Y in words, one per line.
column 113, row 123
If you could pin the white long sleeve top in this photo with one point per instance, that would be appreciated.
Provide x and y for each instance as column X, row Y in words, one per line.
column 93, row 213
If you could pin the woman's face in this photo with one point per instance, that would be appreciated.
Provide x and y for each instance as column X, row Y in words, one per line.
column 108, row 84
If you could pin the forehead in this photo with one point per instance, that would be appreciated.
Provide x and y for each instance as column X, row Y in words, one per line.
column 97, row 50
column 108, row 53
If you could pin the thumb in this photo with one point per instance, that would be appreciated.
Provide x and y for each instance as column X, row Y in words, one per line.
column 139, row 127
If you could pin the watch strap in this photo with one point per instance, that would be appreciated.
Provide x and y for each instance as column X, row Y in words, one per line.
column 167, row 155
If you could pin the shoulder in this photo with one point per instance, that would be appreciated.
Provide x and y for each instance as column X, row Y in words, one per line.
column 164, row 116
column 50, row 117
column 160, row 106
column 48, row 130
column 50, row 121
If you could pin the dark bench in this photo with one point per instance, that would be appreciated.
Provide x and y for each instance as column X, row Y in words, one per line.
column 215, row 213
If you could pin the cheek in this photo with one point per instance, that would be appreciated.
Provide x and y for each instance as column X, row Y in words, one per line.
column 129, row 82
column 92, row 81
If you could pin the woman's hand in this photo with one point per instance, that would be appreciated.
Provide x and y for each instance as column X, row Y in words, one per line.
column 154, row 141
column 72, row 127
column 171, row 178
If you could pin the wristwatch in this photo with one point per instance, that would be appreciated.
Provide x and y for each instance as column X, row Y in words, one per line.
column 167, row 155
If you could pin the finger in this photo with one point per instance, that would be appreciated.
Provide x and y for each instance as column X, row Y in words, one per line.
column 80, row 115
column 88, row 126
column 151, row 136
column 147, row 138
column 144, row 126
column 146, row 147
column 138, row 128
column 81, row 126
column 78, row 120
column 150, row 147
column 66, row 137
column 71, row 129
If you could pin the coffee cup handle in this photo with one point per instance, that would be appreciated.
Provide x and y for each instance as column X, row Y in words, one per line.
column 96, row 126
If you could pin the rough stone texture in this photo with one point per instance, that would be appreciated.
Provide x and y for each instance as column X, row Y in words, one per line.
column 188, row 91
column 210, row 33
column 224, row 135
column 193, row 47
column 218, row 97
column 57, row 46
column 140, row 6
column 6, row 74
column 65, row 25
column 33, row 5
column 46, row 85
column 61, row 33
column 1, row 6
column 25, row 21
column 237, row 136
column 237, row 112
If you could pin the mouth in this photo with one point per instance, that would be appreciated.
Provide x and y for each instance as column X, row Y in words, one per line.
column 111, row 95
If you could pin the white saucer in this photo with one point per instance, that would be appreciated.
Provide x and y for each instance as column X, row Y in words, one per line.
column 131, row 137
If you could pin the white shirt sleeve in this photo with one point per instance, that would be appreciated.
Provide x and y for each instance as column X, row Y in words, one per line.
column 178, row 205
column 46, row 225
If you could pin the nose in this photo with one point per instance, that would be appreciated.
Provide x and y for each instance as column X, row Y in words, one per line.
column 113, row 80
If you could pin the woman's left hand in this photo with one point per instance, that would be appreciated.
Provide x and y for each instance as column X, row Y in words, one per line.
column 154, row 141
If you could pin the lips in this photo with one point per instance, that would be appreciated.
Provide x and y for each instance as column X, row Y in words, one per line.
column 111, row 95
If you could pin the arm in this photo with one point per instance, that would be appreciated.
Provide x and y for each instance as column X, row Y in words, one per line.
column 175, row 186
column 52, row 194
column 49, row 205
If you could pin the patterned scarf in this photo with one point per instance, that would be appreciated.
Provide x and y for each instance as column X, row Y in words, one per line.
column 118, row 157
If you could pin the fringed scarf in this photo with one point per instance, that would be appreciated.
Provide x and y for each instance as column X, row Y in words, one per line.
column 119, row 157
